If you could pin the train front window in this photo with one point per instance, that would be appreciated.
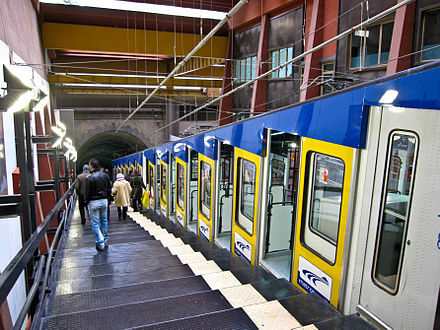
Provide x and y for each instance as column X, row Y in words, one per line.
column 180, row 184
column 205, row 189
column 394, row 216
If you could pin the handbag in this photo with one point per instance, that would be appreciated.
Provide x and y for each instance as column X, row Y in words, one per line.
column 146, row 199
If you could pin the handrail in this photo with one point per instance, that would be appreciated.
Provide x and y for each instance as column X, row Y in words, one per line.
column 43, row 291
column 32, row 292
column 14, row 269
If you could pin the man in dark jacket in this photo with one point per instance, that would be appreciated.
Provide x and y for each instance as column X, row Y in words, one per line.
column 96, row 195
column 80, row 186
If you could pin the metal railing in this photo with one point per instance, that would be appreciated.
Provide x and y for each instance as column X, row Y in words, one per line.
column 15, row 268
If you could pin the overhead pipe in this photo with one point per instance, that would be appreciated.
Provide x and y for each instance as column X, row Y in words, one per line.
column 325, row 43
column 187, row 57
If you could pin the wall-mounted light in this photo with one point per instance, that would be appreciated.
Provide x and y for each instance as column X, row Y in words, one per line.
column 389, row 96
column 40, row 105
column 60, row 130
column 22, row 101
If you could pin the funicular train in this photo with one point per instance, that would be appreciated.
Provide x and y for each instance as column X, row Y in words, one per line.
column 339, row 195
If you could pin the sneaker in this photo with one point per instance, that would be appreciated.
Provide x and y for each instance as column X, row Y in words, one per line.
column 99, row 247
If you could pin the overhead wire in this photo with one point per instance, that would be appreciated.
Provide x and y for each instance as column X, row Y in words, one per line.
column 295, row 59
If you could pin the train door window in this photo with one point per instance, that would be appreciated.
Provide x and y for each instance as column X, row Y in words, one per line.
column 246, row 198
column 163, row 183
column 324, row 199
column 394, row 216
column 151, row 180
column 205, row 189
column 180, row 185
column 431, row 35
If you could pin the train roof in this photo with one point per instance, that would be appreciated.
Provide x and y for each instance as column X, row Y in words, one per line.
column 340, row 118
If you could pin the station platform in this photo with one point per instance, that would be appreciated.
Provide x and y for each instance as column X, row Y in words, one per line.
column 157, row 275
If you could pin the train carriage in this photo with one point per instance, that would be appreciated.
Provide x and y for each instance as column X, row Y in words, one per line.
column 339, row 195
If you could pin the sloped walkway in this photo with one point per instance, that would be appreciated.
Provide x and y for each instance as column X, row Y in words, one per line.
column 156, row 275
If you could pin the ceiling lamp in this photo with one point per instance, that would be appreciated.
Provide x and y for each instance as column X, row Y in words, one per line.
column 142, row 8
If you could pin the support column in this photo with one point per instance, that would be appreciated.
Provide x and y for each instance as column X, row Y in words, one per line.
column 259, row 92
column 401, row 42
column 171, row 115
column 313, row 38
column 225, row 114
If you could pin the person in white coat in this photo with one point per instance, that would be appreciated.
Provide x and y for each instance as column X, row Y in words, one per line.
column 121, row 193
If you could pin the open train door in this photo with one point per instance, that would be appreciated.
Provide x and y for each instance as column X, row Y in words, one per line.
column 401, row 275
column 246, row 204
column 322, row 217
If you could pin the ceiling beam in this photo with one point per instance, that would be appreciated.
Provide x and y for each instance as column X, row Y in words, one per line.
column 96, row 39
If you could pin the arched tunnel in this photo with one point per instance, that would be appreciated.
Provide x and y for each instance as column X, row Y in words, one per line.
column 108, row 146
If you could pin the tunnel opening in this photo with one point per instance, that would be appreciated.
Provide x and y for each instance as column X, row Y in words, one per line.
column 108, row 146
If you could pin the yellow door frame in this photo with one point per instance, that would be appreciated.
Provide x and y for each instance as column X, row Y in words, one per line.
column 243, row 243
column 163, row 204
column 204, row 225
column 152, row 186
column 181, row 211
column 313, row 266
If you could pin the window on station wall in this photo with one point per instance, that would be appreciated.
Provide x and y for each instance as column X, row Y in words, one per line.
column 279, row 57
column 245, row 69
column 371, row 46
column 431, row 36
column 327, row 73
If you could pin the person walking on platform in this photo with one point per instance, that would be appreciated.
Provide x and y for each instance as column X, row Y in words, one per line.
column 121, row 192
column 96, row 195
column 80, row 185
column 137, row 184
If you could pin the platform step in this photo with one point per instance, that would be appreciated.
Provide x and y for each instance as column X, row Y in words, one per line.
column 66, row 274
column 94, row 258
column 119, row 280
column 227, row 319
column 77, row 302
column 140, row 314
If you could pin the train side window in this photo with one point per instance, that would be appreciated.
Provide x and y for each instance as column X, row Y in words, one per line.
column 163, row 183
column 246, row 196
column 205, row 189
column 324, row 201
column 180, row 183
column 395, row 206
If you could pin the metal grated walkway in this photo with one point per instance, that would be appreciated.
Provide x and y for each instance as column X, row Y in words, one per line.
column 156, row 275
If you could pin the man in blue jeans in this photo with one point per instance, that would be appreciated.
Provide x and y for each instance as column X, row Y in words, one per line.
column 96, row 195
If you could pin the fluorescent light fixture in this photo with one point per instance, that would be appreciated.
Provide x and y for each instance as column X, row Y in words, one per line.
column 108, row 85
column 187, row 88
column 109, row 75
column 219, row 65
column 58, row 131
column 277, row 133
column 132, row 76
column 62, row 126
column 21, row 102
column 389, row 96
column 142, row 8
column 40, row 105
column 197, row 78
